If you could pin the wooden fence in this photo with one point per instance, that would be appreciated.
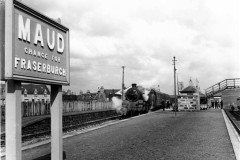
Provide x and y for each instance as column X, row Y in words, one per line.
column 38, row 108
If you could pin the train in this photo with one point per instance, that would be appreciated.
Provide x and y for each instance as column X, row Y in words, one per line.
column 139, row 100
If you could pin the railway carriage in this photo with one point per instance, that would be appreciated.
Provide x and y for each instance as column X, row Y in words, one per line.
column 158, row 100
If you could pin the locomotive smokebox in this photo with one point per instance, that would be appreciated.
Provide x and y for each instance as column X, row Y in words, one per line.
column 134, row 85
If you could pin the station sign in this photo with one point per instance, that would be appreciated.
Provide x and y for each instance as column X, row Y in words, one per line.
column 38, row 50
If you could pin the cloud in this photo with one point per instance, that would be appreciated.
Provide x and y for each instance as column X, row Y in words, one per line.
column 144, row 36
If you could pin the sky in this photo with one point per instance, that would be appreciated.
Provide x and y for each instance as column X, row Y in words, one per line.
column 144, row 36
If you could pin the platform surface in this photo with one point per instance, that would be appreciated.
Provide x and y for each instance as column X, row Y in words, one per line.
column 159, row 135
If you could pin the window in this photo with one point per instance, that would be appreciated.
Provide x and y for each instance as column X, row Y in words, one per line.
column 45, row 93
column 35, row 92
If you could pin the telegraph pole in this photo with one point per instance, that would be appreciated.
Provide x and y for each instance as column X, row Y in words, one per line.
column 175, row 98
column 123, row 81
column 177, row 86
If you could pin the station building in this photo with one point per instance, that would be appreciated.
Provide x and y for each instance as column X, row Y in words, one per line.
column 189, row 98
column 35, row 100
column 30, row 92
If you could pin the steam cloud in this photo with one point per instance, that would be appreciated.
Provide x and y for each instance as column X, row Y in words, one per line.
column 117, row 103
column 145, row 94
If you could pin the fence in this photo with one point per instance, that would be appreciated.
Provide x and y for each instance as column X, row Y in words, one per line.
column 225, row 84
column 38, row 108
column 78, row 106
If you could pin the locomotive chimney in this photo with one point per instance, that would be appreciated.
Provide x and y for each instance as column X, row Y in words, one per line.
column 134, row 85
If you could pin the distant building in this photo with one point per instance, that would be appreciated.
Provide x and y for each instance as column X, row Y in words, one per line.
column 35, row 92
column 105, row 94
column 69, row 92
column 189, row 98
column 102, row 95
column 30, row 92
column 88, row 96
column 35, row 100
column 110, row 93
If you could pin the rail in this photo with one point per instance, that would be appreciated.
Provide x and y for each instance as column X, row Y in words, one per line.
column 221, row 86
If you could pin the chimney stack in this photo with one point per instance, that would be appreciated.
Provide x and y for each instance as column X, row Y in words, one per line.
column 134, row 85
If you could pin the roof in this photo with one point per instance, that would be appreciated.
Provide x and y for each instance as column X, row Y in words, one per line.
column 110, row 91
column 31, row 88
column 189, row 89
column 190, row 96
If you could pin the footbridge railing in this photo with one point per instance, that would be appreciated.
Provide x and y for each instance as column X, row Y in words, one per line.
column 221, row 86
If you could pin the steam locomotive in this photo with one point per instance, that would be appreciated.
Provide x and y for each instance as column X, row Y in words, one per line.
column 139, row 100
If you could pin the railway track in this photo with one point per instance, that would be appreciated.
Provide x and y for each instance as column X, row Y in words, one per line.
column 236, row 114
column 43, row 134
column 234, row 117
column 42, row 130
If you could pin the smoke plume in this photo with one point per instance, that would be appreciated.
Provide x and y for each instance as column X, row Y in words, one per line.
column 117, row 103
column 145, row 94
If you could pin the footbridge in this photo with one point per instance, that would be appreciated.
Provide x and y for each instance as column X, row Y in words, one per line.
column 223, row 85
column 228, row 90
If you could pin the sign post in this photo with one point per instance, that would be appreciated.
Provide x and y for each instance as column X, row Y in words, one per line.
column 33, row 48
column 56, row 122
column 13, row 120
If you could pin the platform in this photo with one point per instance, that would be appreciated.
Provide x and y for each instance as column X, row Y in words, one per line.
column 158, row 135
